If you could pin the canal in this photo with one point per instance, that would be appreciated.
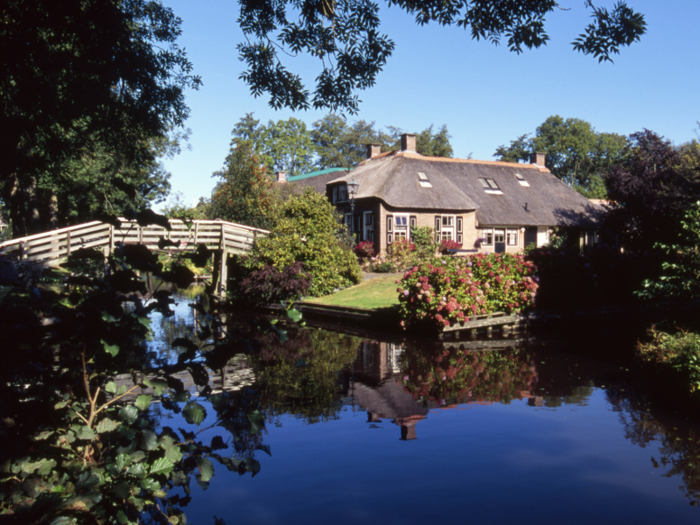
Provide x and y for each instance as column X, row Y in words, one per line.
column 355, row 429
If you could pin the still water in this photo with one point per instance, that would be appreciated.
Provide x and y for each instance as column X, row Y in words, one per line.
column 365, row 431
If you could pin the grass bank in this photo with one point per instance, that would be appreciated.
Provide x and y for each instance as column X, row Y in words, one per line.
column 377, row 292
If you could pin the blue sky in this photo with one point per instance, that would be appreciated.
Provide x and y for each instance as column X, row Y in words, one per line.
column 485, row 95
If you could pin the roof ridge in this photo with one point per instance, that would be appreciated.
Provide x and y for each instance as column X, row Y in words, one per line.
column 415, row 155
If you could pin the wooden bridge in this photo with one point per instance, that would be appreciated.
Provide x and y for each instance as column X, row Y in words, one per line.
column 52, row 248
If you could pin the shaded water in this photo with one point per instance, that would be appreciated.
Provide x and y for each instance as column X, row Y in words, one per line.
column 407, row 432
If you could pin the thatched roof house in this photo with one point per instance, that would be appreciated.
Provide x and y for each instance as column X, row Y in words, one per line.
column 482, row 205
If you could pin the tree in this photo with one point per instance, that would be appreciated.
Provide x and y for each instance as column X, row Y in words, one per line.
column 338, row 144
column 574, row 151
column 650, row 190
column 85, row 79
column 245, row 192
column 284, row 145
column 288, row 144
column 345, row 37
column 308, row 231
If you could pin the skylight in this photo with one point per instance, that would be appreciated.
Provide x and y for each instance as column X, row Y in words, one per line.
column 522, row 180
column 490, row 186
column 423, row 180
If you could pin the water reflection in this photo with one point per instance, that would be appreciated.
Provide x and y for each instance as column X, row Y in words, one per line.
column 316, row 378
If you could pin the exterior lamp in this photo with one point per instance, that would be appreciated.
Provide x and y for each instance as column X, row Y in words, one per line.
column 353, row 187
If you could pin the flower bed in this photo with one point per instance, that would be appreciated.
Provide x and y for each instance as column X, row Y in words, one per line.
column 440, row 293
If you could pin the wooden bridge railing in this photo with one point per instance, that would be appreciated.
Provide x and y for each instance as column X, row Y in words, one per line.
column 52, row 248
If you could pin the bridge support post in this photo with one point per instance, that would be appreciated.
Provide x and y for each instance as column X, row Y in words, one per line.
column 223, row 273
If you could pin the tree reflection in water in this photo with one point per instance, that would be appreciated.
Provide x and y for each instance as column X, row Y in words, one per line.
column 679, row 446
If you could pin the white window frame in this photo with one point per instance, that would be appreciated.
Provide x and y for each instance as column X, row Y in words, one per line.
column 512, row 237
column 448, row 224
column 348, row 222
column 487, row 235
column 402, row 227
column 499, row 236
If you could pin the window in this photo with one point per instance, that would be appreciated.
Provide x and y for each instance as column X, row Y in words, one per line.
column 401, row 231
column 490, row 186
column 499, row 236
column 487, row 235
column 445, row 228
column 340, row 193
column 512, row 237
column 368, row 226
column 522, row 180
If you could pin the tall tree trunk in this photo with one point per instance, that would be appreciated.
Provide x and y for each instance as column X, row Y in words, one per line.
column 34, row 223
column 15, row 198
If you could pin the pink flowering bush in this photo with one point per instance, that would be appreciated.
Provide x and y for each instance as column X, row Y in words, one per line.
column 365, row 249
column 446, row 246
column 450, row 290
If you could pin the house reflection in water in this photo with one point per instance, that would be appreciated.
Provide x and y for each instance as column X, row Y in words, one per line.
column 375, row 385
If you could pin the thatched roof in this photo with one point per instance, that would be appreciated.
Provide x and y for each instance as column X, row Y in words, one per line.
column 538, row 198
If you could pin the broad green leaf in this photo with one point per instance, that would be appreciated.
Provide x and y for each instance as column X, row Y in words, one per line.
column 87, row 480
column 121, row 517
column 150, row 484
column 112, row 350
column 172, row 451
column 143, row 402
column 206, row 469
column 137, row 470
column 106, row 425
column 47, row 467
column 149, row 440
column 121, row 462
column 86, row 433
column 194, row 413
column 161, row 466
column 111, row 387
column 294, row 314
column 122, row 390
column 128, row 414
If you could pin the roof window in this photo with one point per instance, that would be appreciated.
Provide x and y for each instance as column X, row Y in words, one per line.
column 423, row 180
column 490, row 186
column 522, row 180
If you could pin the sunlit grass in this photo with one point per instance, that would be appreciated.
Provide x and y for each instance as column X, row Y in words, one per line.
column 379, row 292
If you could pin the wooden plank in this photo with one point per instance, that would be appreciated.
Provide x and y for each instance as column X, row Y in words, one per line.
column 483, row 323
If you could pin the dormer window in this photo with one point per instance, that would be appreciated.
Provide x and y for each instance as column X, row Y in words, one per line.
column 522, row 180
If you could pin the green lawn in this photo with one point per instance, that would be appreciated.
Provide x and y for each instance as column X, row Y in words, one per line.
column 378, row 292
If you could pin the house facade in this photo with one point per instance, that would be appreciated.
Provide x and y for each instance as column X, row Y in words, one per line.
column 485, row 206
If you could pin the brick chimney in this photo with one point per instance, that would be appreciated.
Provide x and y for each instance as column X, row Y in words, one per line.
column 373, row 150
column 281, row 176
column 408, row 142
column 537, row 159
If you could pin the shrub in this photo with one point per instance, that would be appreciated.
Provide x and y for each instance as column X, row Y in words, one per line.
column 450, row 290
column 424, row 239
column 308, row 232
column 679, row 352
column 365, row 249
column 270, row 285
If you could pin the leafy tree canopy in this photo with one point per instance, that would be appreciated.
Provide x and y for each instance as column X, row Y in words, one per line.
column 575, row 152
column 651, row 189
column 340, row 144
column 345, row 36
column 97, row 82
column 245, row 192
